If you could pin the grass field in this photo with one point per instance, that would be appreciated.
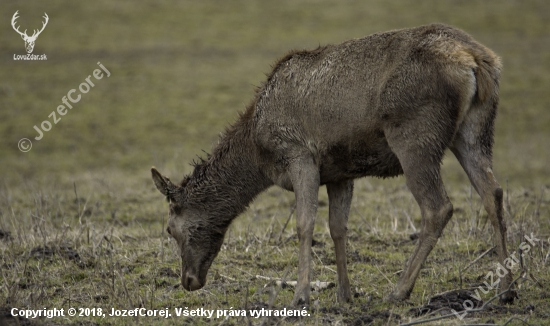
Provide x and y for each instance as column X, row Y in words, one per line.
column 82, row 225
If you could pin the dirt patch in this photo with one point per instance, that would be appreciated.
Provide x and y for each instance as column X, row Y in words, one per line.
column 5, row 235
column 329, row 257
column 318, row 244
column 491, row 253
column 257, row 305
column 495, row 309
column 101, row 298
column 333, row 310
column 62, row 250
column 168, row 272
column 42, row 252
column 162, row 283
column 8, row 320
column 8, row 265
column 87, row 323
column 445, row 302
column 356, row 257
column 391, row 318
column 70, row 254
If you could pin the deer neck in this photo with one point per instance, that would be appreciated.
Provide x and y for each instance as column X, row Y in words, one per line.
column 230, row 178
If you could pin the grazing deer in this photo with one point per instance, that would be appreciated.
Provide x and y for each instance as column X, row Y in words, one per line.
column 29, row 40
column 383, row 105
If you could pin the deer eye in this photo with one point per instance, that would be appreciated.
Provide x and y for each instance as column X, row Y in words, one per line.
column 168, row 230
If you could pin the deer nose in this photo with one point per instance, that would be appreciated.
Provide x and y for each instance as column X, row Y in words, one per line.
column 190, row 282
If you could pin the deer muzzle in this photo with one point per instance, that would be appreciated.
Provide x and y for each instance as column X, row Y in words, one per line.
column 190, row 282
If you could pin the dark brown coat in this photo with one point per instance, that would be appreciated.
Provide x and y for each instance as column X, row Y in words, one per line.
column 383, row 105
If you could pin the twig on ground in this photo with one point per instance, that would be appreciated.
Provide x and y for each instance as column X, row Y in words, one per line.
column 228, row 278
column 387, row 279
column 515, row 318
column 317, row 285
column 478, row 258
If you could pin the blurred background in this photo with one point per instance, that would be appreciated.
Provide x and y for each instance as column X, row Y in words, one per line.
column 182, row 70
column 79, row 208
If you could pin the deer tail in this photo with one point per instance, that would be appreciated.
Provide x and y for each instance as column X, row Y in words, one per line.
column 487, row 73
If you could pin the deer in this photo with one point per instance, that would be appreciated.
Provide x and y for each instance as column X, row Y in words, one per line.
column 384, row 105
column 29, row 40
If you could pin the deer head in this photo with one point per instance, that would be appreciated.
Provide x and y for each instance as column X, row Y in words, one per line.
column 29, row 40
column 199, row 240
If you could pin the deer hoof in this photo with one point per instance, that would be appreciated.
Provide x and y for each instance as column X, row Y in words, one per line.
column 344, row 296
column 300, row 300
column 395, row 297
column 508, row 297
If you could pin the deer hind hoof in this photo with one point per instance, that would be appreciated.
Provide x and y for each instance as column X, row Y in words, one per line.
column 394, row 297
column 344, row 299
column 508, row 297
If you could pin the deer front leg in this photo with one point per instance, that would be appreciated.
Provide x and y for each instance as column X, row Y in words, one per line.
column 304, row 175
column 340, row 195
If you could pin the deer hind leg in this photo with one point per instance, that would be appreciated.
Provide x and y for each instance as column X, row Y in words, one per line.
column 340, row 195
column 419, row 146
column 425, row 183
column 304, row 175
column 473, row 149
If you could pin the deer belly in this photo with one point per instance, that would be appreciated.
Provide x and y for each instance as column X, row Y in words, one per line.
column 349, row 162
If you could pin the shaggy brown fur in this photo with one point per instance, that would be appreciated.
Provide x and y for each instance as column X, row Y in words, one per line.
column 383, row 105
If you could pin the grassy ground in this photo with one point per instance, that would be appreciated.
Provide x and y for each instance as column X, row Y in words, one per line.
column 81, row 224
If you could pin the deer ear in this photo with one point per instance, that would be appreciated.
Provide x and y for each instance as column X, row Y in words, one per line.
column 164, row 185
